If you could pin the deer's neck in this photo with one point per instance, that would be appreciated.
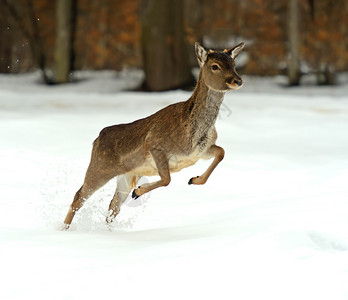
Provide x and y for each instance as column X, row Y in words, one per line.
column 204, row 104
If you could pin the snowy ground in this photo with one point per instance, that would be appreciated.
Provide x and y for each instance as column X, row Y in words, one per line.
column 271, row 223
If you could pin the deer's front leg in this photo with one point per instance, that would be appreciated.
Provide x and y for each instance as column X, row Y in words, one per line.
column 162, row 164
column 218, row 154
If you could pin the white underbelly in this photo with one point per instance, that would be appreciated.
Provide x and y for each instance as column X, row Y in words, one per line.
column 176, row 163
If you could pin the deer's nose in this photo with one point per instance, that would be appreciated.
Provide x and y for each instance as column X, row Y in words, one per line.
column 238, row 82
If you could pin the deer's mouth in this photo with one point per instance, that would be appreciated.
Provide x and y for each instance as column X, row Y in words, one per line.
column 235, row 85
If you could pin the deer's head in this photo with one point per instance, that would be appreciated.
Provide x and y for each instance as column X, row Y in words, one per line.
column 218, row 68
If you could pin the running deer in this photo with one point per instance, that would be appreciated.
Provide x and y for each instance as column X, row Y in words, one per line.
column 171, row 139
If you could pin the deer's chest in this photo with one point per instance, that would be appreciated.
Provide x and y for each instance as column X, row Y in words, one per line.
column 203, row 137
column 203, row 133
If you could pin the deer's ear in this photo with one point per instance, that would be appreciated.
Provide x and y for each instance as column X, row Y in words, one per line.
column 233, row 52
column 201, row 54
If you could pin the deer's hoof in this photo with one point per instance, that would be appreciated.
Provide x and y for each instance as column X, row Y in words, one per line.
column 134, row 195
column 191, row 180
column 65, row 227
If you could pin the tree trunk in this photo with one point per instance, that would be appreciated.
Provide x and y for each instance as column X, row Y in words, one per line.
column 5, row 51
column 165, row 58
column 326, row 75
column 294, row 43
column 63, row 51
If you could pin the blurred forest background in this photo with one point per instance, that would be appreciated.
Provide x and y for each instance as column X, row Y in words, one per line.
column 291, row 37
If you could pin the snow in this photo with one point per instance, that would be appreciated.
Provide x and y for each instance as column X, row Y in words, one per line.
column 271, row 223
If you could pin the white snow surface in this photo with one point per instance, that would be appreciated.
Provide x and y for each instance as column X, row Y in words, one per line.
column 271, row 222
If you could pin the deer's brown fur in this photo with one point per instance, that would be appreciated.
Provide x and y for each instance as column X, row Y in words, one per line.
column 173, row 138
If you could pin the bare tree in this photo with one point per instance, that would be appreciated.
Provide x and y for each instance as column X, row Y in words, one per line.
column 5, row 48
column 163, row 44
column 294, row 43
column 63, row 51
column 22, row 16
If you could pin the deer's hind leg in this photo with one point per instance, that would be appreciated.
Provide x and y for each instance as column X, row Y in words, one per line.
column 218, row 153
column 93, row 182
column 125, row 183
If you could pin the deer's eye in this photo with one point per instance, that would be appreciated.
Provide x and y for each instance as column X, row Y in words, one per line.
column 215, row 67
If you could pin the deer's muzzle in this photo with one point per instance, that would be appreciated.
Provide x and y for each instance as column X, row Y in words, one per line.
column 235, row 84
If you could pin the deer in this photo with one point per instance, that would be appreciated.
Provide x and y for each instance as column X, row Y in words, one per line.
column 165, row 142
